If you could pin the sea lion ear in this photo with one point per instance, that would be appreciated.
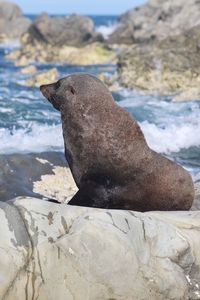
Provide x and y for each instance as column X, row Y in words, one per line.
column 72, row 90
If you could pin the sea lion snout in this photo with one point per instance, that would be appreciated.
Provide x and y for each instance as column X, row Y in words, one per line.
column 49, row 92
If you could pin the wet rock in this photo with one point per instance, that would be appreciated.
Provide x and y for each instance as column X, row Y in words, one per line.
column 46, row 77
column 71, row 252
column 12, row 22
column 18, row 177
column 170, row 66
column 156, row 20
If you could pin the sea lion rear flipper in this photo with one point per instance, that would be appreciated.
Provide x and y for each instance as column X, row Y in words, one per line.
column 81, row 199
column 90, row 196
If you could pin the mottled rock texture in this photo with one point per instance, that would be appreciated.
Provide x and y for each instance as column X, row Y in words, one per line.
column 50, row 251
column 95, row 53
column 156, row 20
column 170, row 66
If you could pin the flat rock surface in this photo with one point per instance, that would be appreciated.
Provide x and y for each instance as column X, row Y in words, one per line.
column 51, row 251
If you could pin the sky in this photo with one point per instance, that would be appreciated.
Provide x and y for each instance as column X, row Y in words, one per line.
column 87, row 7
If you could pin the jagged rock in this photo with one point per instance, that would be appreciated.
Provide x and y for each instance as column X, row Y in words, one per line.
column 156, row 20
column 72, row 30
column 170, row 66
column 12, row 22
column 48, row 76
column 70, row 40
column 50, row 251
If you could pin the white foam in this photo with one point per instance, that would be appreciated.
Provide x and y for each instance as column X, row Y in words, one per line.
column 171, row 138
column 10, row 44
column 167, row 126
column 106, row 30
column 6, row 110
column 36, row 138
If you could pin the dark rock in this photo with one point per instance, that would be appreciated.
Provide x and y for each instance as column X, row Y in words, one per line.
column 12, row 23
column 17, row 173
column 72, row 30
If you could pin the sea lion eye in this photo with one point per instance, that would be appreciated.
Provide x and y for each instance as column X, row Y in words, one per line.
column 72, row 90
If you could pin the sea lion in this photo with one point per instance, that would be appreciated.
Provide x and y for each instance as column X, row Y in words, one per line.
column 107, row 153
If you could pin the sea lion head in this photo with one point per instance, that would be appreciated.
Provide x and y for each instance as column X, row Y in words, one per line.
column 67, row 90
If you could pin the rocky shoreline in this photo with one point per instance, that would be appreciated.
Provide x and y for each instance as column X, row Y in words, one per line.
column 57, row 251
column 162, row 53
column 155, row 45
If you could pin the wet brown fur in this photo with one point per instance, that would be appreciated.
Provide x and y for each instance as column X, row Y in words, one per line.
column 110, row 160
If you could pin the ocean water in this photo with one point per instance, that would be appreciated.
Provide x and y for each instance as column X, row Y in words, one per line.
column 28, row 123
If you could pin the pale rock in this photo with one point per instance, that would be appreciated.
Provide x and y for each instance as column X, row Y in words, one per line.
column 22, row 61
column 50, row 251
column 29, row 70
column 191, row 93
column 43, row 78
column 60, row 186
column 95, row 53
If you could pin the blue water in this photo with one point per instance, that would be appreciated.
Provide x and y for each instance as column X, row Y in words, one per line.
column 28, row 123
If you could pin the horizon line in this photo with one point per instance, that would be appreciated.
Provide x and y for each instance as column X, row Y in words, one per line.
column 80, row 14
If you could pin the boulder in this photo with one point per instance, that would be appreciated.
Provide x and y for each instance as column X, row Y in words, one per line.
column 12, row 22
column 156, row 20
column 71, row 30
column 170, row 66
column 50, row 251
